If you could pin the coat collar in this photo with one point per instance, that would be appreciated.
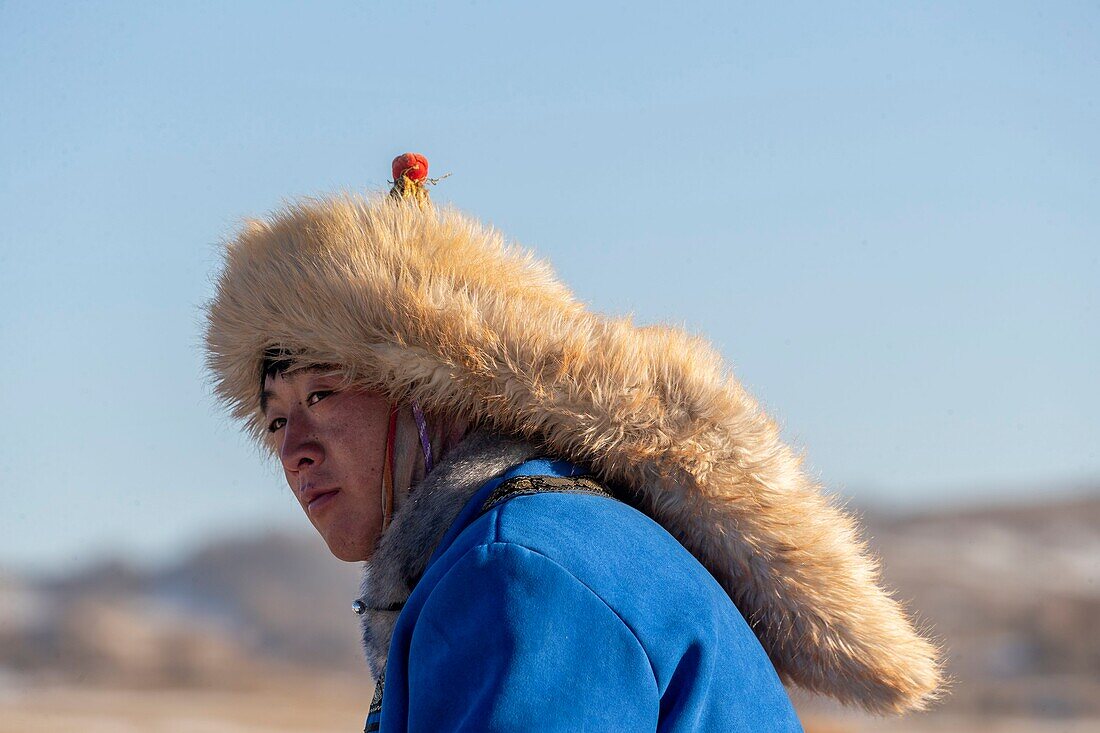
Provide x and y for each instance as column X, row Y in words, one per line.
column 417, row 527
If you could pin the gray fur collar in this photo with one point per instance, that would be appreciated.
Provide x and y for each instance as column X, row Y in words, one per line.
column 417, row 527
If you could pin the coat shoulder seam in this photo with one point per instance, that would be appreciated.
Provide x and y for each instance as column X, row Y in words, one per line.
column 506, row 544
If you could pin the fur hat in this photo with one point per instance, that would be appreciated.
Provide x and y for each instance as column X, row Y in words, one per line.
column 428, row 304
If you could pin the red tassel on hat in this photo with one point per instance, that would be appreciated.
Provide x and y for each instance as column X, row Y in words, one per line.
column 410, row 174
column 412, row 165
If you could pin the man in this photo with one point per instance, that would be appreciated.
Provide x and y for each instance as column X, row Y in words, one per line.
column 567, row 522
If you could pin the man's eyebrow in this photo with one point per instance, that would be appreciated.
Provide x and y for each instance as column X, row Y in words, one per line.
column 265, row 397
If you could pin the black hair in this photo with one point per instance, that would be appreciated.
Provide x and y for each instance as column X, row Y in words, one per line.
column 275, row 362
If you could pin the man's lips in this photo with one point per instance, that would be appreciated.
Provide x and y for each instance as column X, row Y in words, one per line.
column 315, row 498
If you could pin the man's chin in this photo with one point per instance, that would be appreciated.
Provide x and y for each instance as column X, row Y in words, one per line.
column 348, row 552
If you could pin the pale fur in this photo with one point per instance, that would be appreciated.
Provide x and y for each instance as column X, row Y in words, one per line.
column 419, row 524
column 432, row 305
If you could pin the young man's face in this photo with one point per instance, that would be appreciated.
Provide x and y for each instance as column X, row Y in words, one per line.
column 331, row 443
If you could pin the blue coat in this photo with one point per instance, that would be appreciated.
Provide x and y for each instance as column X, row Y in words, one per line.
column 569, row 612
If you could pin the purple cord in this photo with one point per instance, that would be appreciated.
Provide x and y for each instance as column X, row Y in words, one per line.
column 422, row 428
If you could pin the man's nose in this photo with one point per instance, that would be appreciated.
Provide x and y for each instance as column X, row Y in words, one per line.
column 300, row 446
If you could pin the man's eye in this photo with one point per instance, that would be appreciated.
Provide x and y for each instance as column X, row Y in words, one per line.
column 314, row 397
column 276, row 424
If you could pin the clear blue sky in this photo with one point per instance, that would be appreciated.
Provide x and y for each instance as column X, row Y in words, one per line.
column 886, row 216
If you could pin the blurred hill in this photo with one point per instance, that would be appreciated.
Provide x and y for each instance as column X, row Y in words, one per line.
column 1012, row 591
column 236, row 613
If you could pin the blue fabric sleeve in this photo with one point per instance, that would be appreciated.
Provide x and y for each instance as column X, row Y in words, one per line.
column 510, row 641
